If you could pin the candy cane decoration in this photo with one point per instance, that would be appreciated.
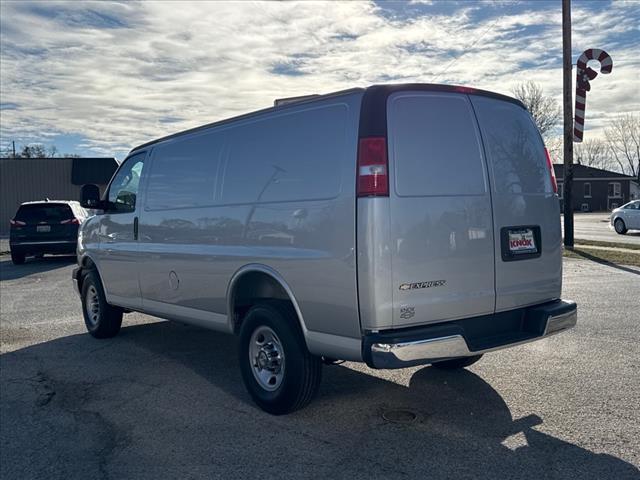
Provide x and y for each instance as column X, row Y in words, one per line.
column 583, row 75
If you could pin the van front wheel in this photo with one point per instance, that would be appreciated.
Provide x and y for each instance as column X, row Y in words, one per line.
column 101, row 319
column 278, row 370
column 457, row 363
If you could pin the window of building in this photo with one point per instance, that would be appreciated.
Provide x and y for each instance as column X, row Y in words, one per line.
column 615, row 190
column 587, row 190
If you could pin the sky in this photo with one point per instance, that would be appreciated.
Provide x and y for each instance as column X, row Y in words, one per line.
column 99, row 78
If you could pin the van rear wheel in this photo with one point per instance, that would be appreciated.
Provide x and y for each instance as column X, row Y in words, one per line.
column 277, row 369
column 101, row 319
column 457, row 363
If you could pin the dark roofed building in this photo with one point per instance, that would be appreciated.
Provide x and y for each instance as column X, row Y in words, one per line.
column 594, row 189
column 59, row 178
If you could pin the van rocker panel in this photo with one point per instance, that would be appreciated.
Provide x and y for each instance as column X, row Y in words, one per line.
column 471, row 336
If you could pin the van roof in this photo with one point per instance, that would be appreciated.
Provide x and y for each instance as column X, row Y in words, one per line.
column 377, row 95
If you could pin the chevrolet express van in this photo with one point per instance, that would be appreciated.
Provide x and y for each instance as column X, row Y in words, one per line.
column 395, row 225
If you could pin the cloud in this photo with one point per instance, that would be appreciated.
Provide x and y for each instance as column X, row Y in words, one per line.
column 121, row 73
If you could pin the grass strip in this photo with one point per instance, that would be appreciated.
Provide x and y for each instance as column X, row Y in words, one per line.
column 598, row 243
column 606, row 257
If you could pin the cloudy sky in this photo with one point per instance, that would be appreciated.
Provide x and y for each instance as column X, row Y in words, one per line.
column 98, row 78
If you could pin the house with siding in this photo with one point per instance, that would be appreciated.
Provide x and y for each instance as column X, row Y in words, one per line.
column 58, row 178
column 596, row 190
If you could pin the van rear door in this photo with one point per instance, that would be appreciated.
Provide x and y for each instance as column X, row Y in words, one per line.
column 442, row 231
column 526, row 211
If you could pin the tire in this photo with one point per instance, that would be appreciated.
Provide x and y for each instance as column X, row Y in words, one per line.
column 619, row 226
column 457, row 363
column 17, row 258
column 289, row 376
column 101, row 319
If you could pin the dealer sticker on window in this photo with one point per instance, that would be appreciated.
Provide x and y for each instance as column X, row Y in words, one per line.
column 522, row 241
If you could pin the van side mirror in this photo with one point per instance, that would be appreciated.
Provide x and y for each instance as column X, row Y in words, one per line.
column 90, row 196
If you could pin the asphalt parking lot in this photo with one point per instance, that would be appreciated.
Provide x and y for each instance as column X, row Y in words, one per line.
column 164, row 400
column 596, row 226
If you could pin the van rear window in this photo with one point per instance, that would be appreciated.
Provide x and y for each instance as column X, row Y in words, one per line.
column 435, row 145
column 514, row 147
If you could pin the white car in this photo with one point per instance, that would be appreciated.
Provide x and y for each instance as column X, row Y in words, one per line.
column 626, row 217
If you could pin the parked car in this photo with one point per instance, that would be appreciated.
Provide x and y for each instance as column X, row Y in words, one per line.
column 395, row 225
column 626, row 217
column 49, row 226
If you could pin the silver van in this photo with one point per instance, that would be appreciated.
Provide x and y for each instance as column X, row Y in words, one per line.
column 395, row 225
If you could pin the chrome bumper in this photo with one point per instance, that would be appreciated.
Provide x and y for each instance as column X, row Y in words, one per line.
column 544, row 321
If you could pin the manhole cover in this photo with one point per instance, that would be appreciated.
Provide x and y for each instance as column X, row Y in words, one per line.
column 399, row 416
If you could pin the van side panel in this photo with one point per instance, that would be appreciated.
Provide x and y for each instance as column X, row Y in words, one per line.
column 375, row 277
column 522, row 196
column 442, row 238
column 281, row 190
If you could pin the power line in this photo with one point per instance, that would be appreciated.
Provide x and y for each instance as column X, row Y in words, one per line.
column 473, row 44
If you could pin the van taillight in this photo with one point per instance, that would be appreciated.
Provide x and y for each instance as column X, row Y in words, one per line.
column 72, row 221
column 373, row 177
column 16, row 223
column 552, row 172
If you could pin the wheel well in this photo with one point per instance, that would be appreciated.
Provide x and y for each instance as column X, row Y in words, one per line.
column 251, row 288
column 86, row 264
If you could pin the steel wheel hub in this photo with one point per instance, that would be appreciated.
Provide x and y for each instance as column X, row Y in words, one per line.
column 267, row 358
column 92, row 305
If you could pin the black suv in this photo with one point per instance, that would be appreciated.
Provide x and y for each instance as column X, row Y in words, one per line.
column 45, row 227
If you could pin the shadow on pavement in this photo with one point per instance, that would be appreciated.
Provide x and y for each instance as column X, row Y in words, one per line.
column 9, row 271
column 602, row 261
column 163, row 400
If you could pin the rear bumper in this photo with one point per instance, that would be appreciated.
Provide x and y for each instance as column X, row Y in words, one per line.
column 472, row 336
column 48, row 246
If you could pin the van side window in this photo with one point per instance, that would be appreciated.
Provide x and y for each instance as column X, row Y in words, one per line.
column 292, row 157
column 123, row 190
column 435, row 145
column 184, row 172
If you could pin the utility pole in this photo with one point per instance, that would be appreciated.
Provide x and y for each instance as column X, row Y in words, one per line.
column 13, row 142
column 568, row 123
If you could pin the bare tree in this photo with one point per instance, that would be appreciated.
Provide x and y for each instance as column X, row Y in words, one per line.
column 592, row 153
column 623, row 140
column 33, row 150
column 554, row 145
column 543, row 108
